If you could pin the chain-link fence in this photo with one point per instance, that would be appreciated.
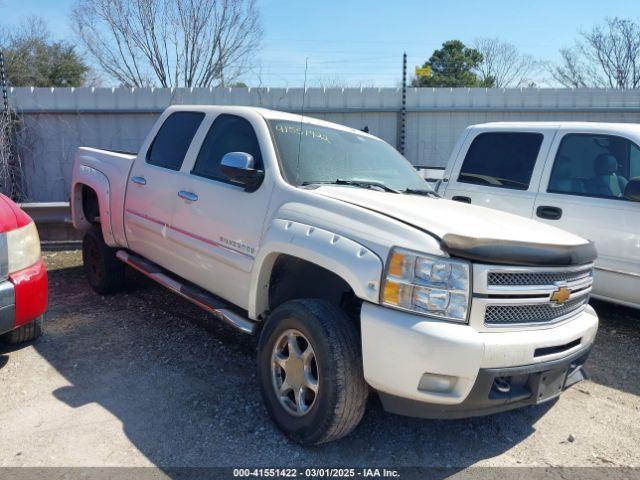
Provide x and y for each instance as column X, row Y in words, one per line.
column 11, row 129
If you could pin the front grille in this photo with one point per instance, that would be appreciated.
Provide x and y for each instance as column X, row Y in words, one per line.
column 530, row 313
column 534, row 278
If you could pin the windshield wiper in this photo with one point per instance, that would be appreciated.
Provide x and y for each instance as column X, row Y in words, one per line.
column 366, row 184
column 426, row 193
column 355, row 183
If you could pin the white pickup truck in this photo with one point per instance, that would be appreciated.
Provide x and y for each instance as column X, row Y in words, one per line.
column 358, row 277
column 580, row 176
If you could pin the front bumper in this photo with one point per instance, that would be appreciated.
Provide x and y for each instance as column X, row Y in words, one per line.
column 23, row 297
column 7, row 307
column 429, row 368
column 500, row 389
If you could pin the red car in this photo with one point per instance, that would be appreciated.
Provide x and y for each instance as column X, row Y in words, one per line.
column 23, row 277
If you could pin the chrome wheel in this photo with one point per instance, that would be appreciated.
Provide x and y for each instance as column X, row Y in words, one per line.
column 294, row 372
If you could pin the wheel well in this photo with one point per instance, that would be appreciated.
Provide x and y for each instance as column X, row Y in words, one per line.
column 90, row 205
column 293, row 277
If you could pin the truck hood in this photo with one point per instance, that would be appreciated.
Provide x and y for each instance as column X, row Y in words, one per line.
column 440, row 217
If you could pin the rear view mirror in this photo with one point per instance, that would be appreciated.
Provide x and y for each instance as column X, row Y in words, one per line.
column 632, row 190
column 239, row 168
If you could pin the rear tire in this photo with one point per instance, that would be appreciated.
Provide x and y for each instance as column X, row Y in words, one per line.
column 339, row 401
column 25, row 333
column 104, row 271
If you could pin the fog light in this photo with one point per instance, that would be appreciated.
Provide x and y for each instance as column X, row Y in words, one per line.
column 434, row 383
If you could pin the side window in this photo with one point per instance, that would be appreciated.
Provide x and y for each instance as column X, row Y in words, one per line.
column 594, row 165
column 501, row 159
column 634, row 162
column 173, row 139
column 229, row 133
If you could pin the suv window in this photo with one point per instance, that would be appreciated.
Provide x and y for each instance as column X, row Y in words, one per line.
column 501, row 159
column 229, row 133
column 173, row 139
column 594, row 165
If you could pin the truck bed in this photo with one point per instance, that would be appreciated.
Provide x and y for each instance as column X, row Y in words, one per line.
column 107, row 173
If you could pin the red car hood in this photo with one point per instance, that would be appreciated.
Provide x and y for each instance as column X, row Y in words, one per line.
column 11, row 216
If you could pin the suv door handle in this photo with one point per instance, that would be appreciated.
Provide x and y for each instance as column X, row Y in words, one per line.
column 139, row 180
column 188, row 196
column 458, row 198
column 548, row 212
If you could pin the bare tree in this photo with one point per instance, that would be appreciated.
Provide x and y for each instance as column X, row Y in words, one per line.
column 615, row 48
column 170, row 43
column 608, row 55
column 572, row 72
column 504, row 63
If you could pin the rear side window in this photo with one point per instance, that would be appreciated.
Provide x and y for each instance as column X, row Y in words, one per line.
column 504, row 160
column 173, row 139
column 594, row 165
column 229, row 133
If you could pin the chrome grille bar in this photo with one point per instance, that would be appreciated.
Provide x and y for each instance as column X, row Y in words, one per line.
column 510, row 279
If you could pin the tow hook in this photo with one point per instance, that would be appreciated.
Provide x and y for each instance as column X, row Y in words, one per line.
column 502, row 384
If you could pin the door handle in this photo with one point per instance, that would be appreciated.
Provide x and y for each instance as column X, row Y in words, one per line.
column 188, row 196
column 139, row 180
column 458, row 198
column 548, row 212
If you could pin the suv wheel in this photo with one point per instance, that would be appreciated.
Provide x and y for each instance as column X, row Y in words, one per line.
column 310, row 371
column 104, row 271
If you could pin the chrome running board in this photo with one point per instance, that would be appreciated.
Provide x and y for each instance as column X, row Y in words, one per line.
column 195, row 295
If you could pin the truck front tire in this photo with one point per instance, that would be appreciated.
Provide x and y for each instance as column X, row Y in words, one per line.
column 310, row 371
column 104, row 271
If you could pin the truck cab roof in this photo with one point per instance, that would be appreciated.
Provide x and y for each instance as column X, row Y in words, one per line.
column 621, row 128
column 267, row 114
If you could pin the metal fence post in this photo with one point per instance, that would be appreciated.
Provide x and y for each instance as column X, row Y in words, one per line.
column 403, row 108
column 3, row 81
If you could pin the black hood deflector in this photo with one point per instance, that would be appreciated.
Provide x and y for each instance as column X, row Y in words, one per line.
column 508, row 252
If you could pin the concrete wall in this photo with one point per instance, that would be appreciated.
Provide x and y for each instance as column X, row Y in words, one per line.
column 59, row 120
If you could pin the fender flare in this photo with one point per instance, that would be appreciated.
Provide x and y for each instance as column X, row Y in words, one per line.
column 360, row 267
column 98, row 181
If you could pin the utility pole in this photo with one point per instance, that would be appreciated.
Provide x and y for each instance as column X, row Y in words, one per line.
column 403, row 109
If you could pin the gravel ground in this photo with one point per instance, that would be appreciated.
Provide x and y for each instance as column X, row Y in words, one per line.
column 145, row 378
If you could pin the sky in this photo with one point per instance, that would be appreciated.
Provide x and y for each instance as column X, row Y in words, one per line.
column 357, row 43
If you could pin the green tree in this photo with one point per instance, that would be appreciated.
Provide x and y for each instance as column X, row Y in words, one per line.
column 33, row 59
column 453, row 66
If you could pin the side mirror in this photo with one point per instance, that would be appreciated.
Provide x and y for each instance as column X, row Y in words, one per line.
column 239, row 168
column 632, row 190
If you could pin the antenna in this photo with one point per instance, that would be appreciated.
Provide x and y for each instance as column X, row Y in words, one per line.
column 304, row 93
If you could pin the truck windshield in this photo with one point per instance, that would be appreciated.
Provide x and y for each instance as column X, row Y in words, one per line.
column 328, row 155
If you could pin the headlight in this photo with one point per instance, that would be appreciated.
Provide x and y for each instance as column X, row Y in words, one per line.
column 23, row 246
column 434, row 286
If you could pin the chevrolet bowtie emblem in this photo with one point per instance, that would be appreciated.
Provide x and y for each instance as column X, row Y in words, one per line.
column 561, row 295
